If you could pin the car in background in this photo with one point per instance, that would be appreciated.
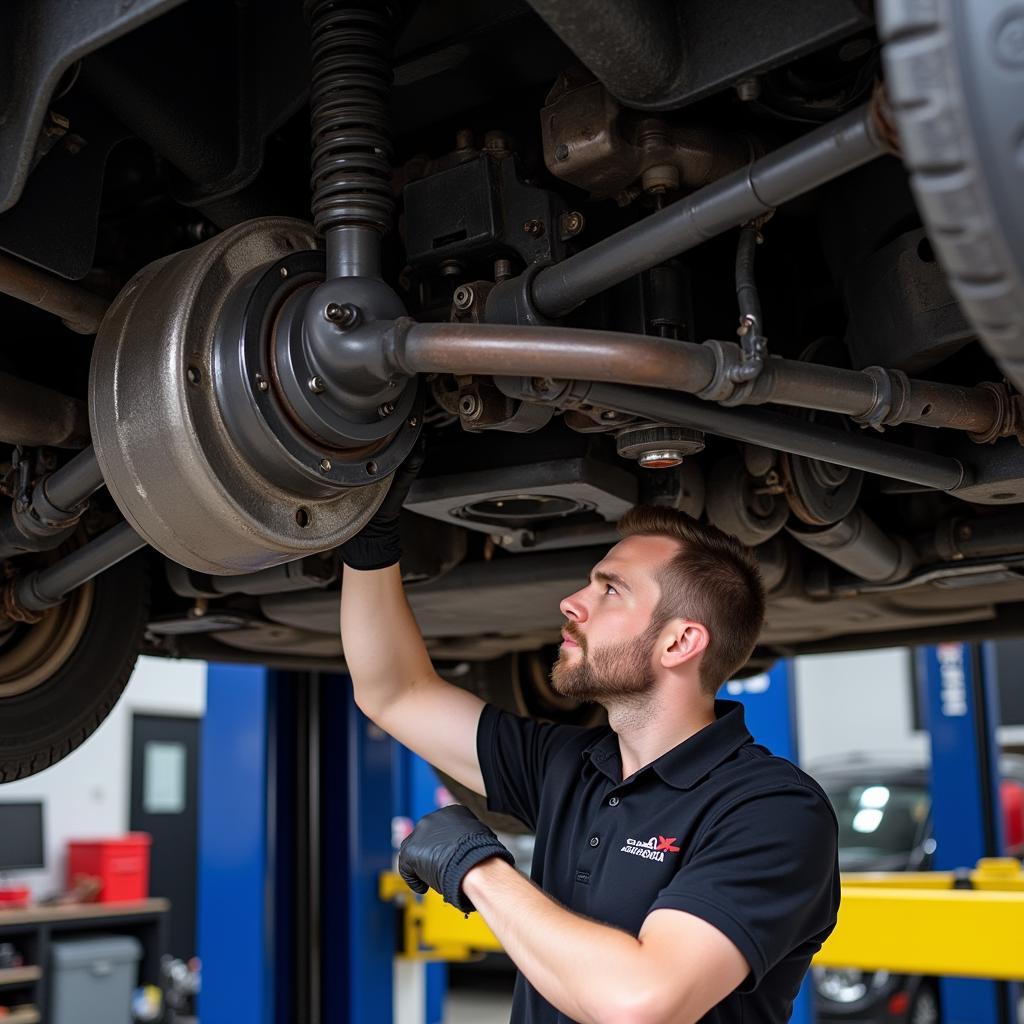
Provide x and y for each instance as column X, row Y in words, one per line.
column 884, row 812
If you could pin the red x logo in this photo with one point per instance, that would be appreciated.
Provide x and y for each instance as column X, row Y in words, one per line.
column 666, row 844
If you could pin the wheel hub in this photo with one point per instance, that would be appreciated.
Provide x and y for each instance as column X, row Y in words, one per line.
column 222, row 432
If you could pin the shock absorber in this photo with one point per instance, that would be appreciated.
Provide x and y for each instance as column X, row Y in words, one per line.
column 349, row 112
column 282, row 448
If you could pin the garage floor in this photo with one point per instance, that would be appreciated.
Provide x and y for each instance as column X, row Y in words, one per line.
column 477, row 1008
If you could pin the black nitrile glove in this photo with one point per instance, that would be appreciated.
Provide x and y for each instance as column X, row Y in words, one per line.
column 376, row 545
column 441, row 849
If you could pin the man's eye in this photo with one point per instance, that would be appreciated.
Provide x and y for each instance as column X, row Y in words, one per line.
column 609, row 589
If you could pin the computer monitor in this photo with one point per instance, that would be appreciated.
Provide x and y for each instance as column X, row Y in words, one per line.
column 21, row 836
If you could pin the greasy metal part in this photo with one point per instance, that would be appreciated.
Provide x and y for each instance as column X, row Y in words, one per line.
column 881, row 397
column 45, row 517
column 168, row 454
column 590, row 142
column 33, row 415
column 859, row 546
column 75, row 482
column 648, row 361
column 303, row 425
column 554, row 352
column 776, row 431
column 661, row 55
column 350, row 119
column 819, row 493
column 741, row 505
column 812, row 160
column 79, row 309
column 47, row 587
column 960, row 537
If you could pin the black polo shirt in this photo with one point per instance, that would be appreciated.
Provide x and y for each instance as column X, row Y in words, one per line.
column 718, row 827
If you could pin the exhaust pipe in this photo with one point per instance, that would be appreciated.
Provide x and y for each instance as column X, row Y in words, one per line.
column 858, row 545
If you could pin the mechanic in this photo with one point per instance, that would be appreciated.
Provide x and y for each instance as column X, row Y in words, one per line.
column 681, row 872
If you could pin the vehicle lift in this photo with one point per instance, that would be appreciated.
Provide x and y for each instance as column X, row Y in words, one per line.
column 301, row 916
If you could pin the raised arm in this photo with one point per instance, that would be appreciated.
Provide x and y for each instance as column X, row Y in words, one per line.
column 394, row 681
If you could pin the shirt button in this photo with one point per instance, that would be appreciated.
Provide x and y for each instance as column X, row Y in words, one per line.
column 613, row 801
column 594, row 840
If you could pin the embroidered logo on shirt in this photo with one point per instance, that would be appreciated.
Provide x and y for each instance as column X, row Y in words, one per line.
column 654, row 848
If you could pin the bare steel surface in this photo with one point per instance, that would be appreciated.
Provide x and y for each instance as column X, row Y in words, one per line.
column 167, row 457
column 80, row 309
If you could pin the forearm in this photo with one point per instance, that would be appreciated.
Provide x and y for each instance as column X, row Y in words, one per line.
column 589, row 971
column 384, row 650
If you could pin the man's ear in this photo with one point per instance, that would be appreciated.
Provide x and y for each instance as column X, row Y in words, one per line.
column 687, row 641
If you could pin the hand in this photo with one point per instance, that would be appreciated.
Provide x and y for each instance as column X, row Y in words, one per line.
column 441, row 850
column 377, row 545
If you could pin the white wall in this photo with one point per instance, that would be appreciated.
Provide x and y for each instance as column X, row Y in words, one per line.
column 86, row 796
column 861, row 702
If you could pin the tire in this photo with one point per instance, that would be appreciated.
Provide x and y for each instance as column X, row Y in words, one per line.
column 955, row 79
column 60, row 677
column 517, row 683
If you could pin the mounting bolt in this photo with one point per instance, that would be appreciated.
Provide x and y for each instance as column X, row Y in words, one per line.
column 463, row 297
column 325, row 465
column 609, row 415
column 342, row 315
column 470, row 407
column 412, row 421
column 283, row 271
column 534, row 228
column 316, row 385
column 261, row 382
column 561, row 151
column 502, row 270
column 571, row 224
column 385, row 409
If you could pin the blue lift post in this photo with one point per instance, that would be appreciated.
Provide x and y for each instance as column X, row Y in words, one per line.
column 417, row 795
column 233, row 910
column 958, row 688
column 359, row 929
column 295, row 828
column 769, row 707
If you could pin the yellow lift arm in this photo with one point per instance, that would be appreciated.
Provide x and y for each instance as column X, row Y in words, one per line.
column 934, row 923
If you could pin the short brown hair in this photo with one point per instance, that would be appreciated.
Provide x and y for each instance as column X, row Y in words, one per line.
column 713, row 580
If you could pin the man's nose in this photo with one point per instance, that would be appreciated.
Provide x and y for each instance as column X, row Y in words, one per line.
column 572, row 607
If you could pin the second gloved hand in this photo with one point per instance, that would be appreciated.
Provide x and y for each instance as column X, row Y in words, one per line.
column 377, row 544
column 442, row 848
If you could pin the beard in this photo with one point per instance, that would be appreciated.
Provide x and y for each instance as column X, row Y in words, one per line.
column 609, row 673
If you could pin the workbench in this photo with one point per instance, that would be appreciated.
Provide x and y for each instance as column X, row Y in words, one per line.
column 33, row 929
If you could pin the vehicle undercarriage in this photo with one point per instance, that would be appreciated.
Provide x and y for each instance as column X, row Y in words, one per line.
column 761, row 262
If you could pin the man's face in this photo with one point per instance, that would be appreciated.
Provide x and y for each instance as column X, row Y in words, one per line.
column 609, row 637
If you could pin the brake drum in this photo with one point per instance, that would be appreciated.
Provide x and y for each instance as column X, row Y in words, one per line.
column 165, row 414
